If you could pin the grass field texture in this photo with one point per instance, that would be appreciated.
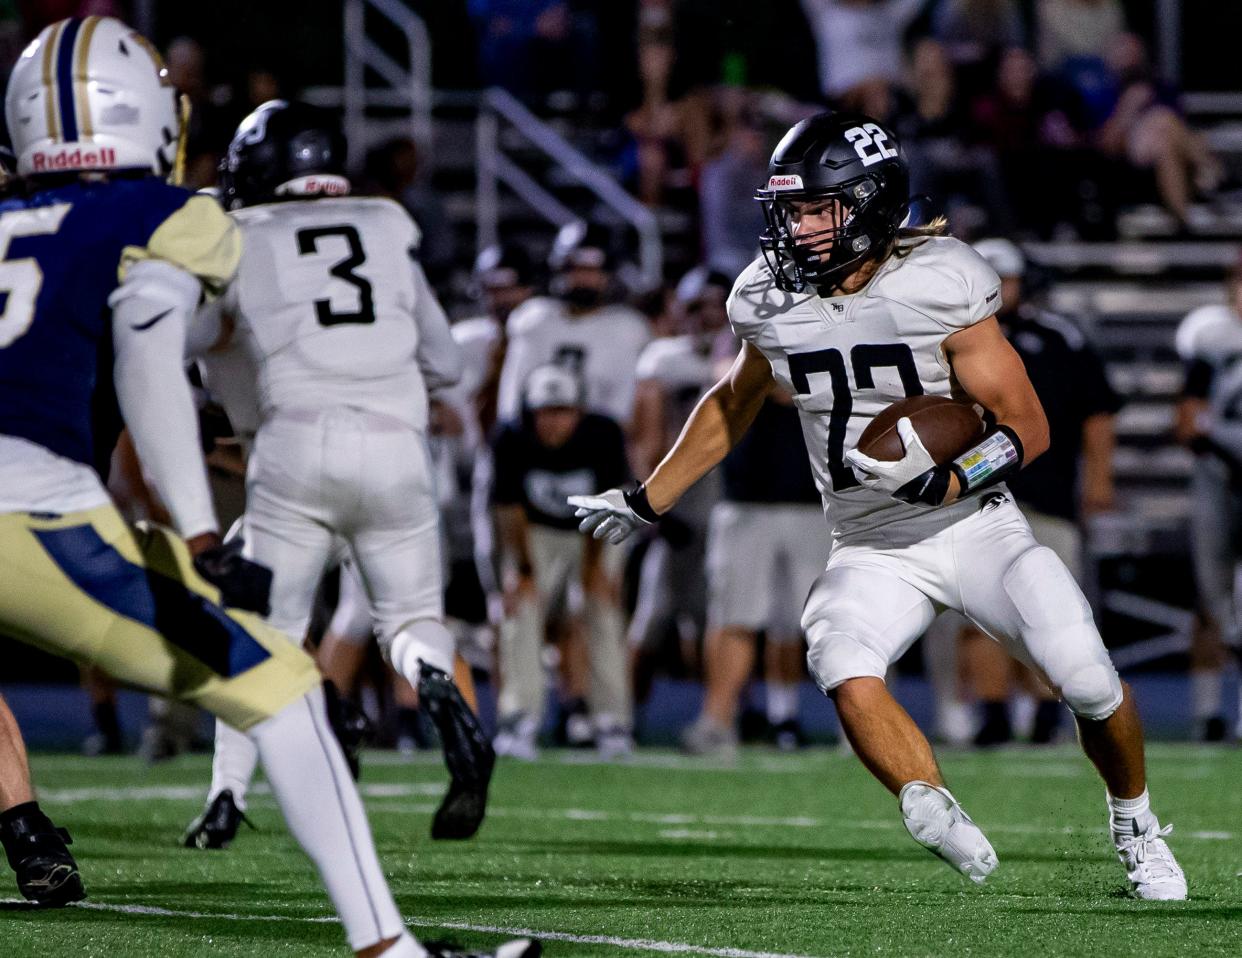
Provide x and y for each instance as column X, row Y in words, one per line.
column 776, row 855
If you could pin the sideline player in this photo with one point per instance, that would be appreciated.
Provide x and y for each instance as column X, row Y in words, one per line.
column 554, row 448
column 345, row 335
column 1209, row 414
column 852, row 312
column 99, row 247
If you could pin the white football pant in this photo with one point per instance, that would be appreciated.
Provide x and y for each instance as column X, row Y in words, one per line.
column 874, row 599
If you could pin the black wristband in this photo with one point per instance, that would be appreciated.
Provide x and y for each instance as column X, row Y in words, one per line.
column 637, row 500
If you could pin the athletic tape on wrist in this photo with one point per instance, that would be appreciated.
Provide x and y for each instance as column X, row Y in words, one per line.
column 997, row 456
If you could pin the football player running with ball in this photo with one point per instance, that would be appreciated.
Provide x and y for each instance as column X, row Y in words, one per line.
column 851, row 311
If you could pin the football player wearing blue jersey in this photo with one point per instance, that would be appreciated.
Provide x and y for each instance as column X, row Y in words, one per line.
column 99, row 255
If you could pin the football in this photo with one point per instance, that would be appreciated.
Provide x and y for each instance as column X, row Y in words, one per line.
column 947, row 428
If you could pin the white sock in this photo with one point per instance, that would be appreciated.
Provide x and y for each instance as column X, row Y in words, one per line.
column 425, row 640
column 233, row 765
column 782, row 699
column 1126, row 810
column 1206, row 686
column 311, row 781
column 407, row 947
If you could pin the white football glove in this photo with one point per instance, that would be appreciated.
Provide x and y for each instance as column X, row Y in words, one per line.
column 607, row 515
column 896, row 478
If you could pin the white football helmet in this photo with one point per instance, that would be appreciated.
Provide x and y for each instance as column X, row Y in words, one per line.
column 92, row 94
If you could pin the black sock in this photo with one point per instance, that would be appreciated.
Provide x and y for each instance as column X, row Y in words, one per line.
column 1047, row 720
column 108, row 724
column 10, row 815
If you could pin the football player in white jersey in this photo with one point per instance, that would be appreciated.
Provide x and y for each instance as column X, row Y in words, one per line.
column 851, row 312
column 673, row 373
column 577, row 326
column 1209, row 343
column 346, row 338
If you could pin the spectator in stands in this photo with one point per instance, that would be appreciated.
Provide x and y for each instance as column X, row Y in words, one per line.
column 975, row 31
column 1209, row 343
column 534, row 48
column 209, row 130
column 1076, row 28
column 1072, row 481
column 1144, row 128
column 730, row 221
column 933, row 125
column 764, row 552
column 1037, row 126
column 556, row 449
column 656, row 124
column 393, row 169
column 860, row 45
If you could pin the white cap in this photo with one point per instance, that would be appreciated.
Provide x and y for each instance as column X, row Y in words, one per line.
column 552, row 385
column 1003, row 256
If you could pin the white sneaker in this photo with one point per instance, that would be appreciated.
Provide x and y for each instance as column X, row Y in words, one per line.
column 517, row 739
column 614, row 742
column 936, row 821
column 704, row 737
column 1149, row 863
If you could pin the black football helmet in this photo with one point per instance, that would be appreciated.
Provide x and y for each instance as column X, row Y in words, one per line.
column 578, row 243
column 283, row 150
column 846, row 157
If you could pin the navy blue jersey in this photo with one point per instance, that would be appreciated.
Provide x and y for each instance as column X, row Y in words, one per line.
column 65, row 251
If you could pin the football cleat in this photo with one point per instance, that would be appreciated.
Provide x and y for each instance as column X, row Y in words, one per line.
column 706, row 737
column 517, row 948
column 1149, row 863
column 467, row 753
column 936, row 821
column 218, row 824
column 46, row 872
column 349, row 724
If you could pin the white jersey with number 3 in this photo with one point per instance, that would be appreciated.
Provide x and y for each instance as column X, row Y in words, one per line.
column 328, row 307
column 845, row 358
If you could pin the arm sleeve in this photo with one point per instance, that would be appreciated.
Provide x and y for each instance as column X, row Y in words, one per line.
column 506, row 470
column 150, row 313
column 439, row 356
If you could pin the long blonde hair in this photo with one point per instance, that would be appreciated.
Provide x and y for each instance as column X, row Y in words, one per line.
column 909, row 238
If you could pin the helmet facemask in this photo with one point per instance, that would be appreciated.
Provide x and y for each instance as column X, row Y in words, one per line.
column 824, row 258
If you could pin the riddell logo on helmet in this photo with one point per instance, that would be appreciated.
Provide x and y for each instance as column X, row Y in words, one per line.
column 75, row 159
column 789, row 182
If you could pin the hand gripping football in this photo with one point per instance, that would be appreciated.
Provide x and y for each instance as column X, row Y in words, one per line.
column 947, row 428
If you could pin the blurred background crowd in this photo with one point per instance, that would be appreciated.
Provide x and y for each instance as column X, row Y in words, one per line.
column 595, row 160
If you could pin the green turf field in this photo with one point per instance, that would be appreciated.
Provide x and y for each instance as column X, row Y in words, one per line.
column 778, row 855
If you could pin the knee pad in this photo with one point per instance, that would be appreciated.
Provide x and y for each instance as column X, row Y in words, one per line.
column 1080, row 669
column 1093, row 691
column 426, row 640
column 834, row 657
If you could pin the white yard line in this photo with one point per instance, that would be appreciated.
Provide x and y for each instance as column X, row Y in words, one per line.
column 385, row 796
column 636, row 944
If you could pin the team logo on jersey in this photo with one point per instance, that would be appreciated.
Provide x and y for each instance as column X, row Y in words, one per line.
column 72, row 158
column 791, row 181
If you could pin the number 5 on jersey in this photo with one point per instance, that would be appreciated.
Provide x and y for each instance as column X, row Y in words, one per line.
column 21, row 279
